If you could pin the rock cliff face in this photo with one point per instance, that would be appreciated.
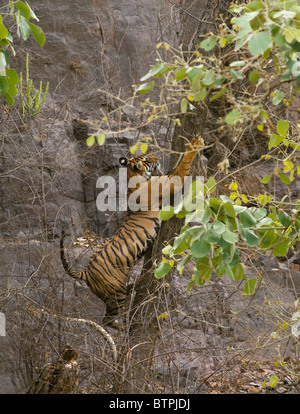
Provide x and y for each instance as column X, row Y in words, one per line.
column 97, row 44
column 94, row 51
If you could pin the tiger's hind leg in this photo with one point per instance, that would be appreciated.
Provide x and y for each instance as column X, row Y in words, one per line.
column 112, row 315
column 118, row 309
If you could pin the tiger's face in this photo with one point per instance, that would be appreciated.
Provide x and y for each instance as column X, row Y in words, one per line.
column 144, row 165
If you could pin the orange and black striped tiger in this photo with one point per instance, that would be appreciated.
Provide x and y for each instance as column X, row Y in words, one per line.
column 107, row 271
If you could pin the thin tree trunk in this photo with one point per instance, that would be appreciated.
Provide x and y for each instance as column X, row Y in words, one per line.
column 144, row 326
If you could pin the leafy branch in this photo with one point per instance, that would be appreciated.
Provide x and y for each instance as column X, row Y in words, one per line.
column 224, row 229
column 261, row 55
column 22, row 14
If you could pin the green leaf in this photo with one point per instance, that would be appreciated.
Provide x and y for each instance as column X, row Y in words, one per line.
column 284, row 218
column 196, row 71
column 189, row 286
column 222, row 42
column 145, row 87
column 239, row 209
column 101, row 139
column 163, row 316
column 219, row 265
column 250, row 286
column 37, row 33
column 90, row 141
column 238, row 272
column 209, row 186
column 195, row 232
column 282, row 127
column 158, row 70
column 230, row 237
column 278, row 96
column 289, row 34
column 233, row 117
column 254, row 6
column 182, row 262
column 275, row 140
column 183, row 105
column 196, row 82
column 229, row 271
column 229, row 209
column 12, row 9
column 166, row 250
column 226, row 251
column 254, row 75
column 215, row 205
column 259, row 43
column 144, row 147
column 242, row 36
column 257, row 21
column 273, row 381
column 4, row 42
column 218, row 94
column 180, row 74
column 235, row 74
column 203, row 271
column 264, row 115
column 219, row 227
column 162, row 270
column 24, row 9
column 12, row 75
column 181, row 244
column 206, row 216
column 3, row 85
column 24, row 27
column 237, row 63
column 235, row 258
column 209, row 43
column 209, row 78
column 267, row 238
column 247, row 219
column 134, row 148
column 260, row 213
column 220, row 80
column 200, row 96
column 284, row 179
column 250, row 237
column 9, row 99
column 282, row 248
column 4, row 59
column 266, row 179
column 3, row 31
column 12, row 90
column 200, row 249
column 211, row 236
column 32, row 14
column 243, row 22
column 166, row 212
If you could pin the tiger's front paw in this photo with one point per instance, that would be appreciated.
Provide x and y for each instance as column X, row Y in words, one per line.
column 196, row 144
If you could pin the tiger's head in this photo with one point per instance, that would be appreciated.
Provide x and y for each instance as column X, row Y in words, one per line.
column 144, row 165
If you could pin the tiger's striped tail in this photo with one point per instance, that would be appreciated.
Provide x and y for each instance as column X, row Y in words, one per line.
column 67, row 267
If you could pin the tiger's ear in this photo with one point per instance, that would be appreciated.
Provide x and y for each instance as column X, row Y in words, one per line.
column 123, row 161
column 138, row 165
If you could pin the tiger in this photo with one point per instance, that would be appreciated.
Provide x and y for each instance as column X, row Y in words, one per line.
column 107, row 271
